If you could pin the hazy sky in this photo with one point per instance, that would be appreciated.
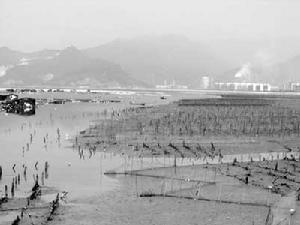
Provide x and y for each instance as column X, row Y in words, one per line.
column 37, row 24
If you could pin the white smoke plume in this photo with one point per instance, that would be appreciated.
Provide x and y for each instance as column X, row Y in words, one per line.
column 244, row 72
column 3, row 69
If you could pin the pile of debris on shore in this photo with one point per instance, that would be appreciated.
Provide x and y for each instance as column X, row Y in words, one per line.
column 11, row 103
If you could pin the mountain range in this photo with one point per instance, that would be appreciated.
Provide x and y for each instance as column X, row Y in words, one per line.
column 155, row 59
column 68, row 68
column 140, row 62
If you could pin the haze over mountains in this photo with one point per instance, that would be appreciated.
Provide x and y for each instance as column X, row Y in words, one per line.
column 155, row 59
column 68, row 67
column 146, row 61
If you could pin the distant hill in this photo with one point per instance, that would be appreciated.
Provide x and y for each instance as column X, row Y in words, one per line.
column 155, row 59
column 68, row 67
column 150, row 60
column 9, row 57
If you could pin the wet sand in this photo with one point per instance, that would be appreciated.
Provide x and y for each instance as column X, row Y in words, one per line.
column 30, row 142
column 97, row 199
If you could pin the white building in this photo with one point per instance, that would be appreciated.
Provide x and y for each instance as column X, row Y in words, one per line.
column 172, row 85
column 205, row 82
column 243, row 86
column 295, row 86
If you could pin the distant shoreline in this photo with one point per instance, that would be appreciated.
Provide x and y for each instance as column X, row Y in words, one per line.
column 207, row 91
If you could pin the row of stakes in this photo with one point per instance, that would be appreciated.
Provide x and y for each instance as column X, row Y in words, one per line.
column 16, row 181
column 36, row 191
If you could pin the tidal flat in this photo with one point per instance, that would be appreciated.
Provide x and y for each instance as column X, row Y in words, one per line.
column 145, row 139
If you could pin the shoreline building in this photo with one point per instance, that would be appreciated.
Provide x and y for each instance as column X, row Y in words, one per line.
column 294, row 86
column 243, row 86
column 172, row 85
column 205, row 82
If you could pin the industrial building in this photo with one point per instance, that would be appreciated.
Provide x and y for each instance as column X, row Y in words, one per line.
column 243, row 86
column 295, row 86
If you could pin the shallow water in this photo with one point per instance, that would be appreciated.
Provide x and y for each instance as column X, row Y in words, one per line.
column 45, row 137
column 67, row 171
column 104, row 199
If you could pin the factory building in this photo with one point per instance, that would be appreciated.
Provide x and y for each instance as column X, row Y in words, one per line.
column 243, row 86
column 205, row 82
column 295, row 86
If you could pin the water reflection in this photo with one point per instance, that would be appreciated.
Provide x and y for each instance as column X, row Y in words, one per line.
column 35, row 147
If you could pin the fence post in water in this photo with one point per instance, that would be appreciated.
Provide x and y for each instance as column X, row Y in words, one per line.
column 6, row 191
column 294, row 167
column 12, row 190
column 43, row 176
column 36, row 165
column 36, row 178
column 46, row 167
column 234, row 161
column 24, row 173
column 175, row 164
column 0, row 172
column 276, row 166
